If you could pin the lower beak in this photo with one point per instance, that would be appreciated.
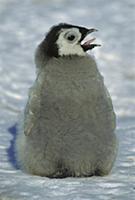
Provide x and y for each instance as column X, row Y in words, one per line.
column 88, row 45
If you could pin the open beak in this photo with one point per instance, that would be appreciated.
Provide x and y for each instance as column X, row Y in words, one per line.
column 88, row 44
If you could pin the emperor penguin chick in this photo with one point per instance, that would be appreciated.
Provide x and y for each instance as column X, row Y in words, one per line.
column 69, row 122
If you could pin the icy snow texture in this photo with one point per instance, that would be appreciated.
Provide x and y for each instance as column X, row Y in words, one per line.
column 22, row 27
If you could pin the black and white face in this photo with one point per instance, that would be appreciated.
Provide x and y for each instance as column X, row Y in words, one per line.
column 68, row 42
column 66, row 39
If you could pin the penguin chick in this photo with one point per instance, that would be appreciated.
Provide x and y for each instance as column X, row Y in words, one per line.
column 69, row 122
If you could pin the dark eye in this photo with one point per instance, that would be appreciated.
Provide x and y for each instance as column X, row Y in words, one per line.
column 71, row 37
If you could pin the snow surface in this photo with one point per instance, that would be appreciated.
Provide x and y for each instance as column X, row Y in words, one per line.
column 22, row 26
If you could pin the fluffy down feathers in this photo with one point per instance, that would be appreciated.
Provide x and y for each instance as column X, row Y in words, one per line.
column 69, row 122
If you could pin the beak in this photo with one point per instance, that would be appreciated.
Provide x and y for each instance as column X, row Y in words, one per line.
column 91, row 30
column 88, row 45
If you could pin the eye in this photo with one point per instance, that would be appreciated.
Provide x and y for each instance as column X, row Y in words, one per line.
column 71, row 36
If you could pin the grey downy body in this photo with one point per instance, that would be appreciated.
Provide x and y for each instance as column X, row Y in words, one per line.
column 69, row 122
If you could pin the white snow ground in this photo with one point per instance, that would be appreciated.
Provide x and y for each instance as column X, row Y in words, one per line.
column 22, row 26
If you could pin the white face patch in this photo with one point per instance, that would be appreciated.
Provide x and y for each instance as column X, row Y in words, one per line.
column 68, row 42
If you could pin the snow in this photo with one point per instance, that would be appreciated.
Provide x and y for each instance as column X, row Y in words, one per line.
column 22, row 26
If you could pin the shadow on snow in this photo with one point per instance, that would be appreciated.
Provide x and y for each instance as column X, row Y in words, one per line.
column 11, row 150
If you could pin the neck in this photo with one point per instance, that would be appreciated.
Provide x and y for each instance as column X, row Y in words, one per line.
column 70, row 66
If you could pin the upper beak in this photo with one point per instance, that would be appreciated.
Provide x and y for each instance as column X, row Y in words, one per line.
column 91, row 30
column 88, row 45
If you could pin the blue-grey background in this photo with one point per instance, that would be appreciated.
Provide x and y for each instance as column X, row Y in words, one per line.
column 23, row 25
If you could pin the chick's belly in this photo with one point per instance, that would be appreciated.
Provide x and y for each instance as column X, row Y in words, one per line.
column 73, row 128
column 74, row 141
